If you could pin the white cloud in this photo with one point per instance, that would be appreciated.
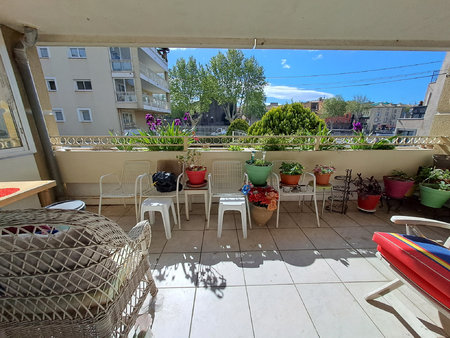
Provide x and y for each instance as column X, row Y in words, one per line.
column 318, row 57
column 312, row 50
column 294, row 93
column 180, row 49
column 284, row 64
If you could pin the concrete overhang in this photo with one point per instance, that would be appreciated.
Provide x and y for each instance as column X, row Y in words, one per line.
column 318, row 24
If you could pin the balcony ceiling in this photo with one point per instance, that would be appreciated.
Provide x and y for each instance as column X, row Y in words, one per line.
column 318, row 24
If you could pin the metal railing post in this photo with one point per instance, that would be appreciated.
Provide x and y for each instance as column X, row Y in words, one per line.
column 317, row 143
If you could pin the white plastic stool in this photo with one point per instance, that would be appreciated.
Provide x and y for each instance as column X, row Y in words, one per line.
column 232, row 203
column 161, row 205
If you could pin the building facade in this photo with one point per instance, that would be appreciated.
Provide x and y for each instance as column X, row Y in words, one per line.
column 383, row 117
column 420, row 119
column 98, row 90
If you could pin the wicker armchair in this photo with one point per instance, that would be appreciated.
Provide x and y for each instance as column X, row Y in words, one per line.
column 71, row 274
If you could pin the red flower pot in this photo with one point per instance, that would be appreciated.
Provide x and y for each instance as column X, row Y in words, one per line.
column 368, row 203
column 395, row 188
column 290, row 179
column 196, row 176
column 322, row 179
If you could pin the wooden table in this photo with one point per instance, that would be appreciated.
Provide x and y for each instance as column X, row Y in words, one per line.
column 27, row 189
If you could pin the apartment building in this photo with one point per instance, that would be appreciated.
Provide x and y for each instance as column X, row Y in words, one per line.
column 97, row 90
column 419, row 120
column 383, row 117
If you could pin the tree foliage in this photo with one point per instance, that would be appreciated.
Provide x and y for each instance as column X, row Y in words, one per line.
column 237, row 124
column 232, row 80
column 188, row 87
column 334, row 106
column 289, row 119
column 359, row 105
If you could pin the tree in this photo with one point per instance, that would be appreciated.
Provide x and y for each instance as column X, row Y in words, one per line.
column 335, row 106
column 237, row 84
column 359, row 105
column 187, row 82
column 289, row 119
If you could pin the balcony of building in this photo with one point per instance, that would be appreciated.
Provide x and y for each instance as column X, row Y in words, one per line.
column 153, row 104
column 153, row 58
column 155, row 82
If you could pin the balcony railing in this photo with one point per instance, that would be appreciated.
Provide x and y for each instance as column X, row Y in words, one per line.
column 286, row 143
column 154, row 77
column 151, row 101
column 153, row 53
column 125, row 97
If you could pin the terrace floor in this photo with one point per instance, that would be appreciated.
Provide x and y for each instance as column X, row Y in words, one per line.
column 295, row 281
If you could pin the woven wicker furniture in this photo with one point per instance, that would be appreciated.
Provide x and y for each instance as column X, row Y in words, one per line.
column 71, row 274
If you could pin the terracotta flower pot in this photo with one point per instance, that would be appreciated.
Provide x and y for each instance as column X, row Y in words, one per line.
column 396, row 188
column 322, row 179
column 368, row 203
column 260, row 215
column 290, row 179
column 196, row 177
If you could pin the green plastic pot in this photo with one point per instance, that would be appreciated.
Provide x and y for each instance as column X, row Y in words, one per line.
column 258, row 174
column 432, row 197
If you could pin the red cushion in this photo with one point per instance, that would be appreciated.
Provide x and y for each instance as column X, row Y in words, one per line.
column 422, row 261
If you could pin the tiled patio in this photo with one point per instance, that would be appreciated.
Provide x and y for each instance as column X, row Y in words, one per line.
column 295, row 281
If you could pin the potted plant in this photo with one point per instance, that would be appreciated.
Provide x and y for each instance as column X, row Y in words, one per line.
column 323, row 173
column 264, row 201
column 435, row 189
column 369, row 193
column 191, row 163
column 291, row 172
column 397, row 184
column 258, row 170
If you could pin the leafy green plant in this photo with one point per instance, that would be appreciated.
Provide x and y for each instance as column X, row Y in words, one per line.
column 367, row 186
column 235, row 148
column 440, row 179
column 157, row 143
column 289, row 119
column 260, row 163
column 293, row 168
column 323, row 169
column 123, row 143
column 191, row 161
column 400, row 175
column 237, row 124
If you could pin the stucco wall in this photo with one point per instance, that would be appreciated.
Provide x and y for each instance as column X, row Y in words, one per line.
column 81, row 169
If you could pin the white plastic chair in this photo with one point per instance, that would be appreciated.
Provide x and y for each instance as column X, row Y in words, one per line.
column 226, row 180
column 145, row 187
column 305, row 189
column 124, row 185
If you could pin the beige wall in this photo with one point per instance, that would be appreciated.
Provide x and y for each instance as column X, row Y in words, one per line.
column 101, row 100
column 81, row 169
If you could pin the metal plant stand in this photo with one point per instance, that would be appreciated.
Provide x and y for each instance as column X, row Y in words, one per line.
column 341, row 193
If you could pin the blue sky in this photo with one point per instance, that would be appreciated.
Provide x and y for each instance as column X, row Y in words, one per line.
column 282, row 66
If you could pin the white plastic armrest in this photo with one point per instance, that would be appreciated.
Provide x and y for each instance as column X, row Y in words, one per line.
column 410, row 220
